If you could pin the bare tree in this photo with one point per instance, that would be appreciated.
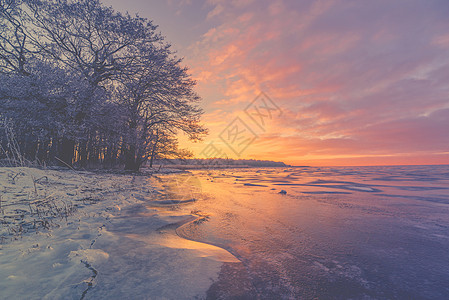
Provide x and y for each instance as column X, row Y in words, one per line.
column 96, row 85
column 159, row 99
column 14, row 41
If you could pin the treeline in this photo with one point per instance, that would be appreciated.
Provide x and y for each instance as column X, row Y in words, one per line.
column 85, row 85
column 222, row 162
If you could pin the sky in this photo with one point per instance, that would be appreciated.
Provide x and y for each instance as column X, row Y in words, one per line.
column 314, row 82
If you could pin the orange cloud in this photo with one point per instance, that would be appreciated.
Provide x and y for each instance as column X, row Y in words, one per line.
column 354, row 88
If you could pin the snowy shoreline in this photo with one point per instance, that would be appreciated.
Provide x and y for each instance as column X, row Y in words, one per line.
column 84, row 235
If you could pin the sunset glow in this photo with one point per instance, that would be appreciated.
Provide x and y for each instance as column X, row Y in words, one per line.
column 358, row 82
column 224, row 149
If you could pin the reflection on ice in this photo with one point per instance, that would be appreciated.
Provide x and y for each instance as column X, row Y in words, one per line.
column 366, row 232
column 200, row 249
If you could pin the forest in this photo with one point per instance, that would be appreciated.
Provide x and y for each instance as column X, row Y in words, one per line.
column 86, row 86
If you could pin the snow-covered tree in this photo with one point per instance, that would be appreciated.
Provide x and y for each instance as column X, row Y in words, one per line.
column 159, row 100
column 85, row 84
column 14, row 41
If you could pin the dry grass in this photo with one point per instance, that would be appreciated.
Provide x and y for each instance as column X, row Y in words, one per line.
column 26, row 206
column 35, row 200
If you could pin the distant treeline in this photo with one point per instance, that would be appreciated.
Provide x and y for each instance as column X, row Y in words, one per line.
column 222, row 162
column 83, row 84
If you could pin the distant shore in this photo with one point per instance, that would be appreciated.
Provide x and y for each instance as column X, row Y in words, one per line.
column 216, row 163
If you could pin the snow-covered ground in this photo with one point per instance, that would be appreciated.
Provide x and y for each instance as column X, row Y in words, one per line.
column 81, row 235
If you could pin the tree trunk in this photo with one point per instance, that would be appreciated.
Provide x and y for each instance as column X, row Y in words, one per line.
column 131, row 163
column 66, row 151
column 153, row 153
column 83, row 153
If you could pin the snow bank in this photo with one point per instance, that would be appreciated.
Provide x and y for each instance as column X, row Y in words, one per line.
column 75, row 235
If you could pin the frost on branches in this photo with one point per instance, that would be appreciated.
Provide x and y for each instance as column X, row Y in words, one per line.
column 84, row 85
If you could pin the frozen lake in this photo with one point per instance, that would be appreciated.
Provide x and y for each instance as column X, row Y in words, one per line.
column 338, row 233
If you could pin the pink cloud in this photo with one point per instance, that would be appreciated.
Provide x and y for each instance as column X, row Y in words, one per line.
column 352, row 79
